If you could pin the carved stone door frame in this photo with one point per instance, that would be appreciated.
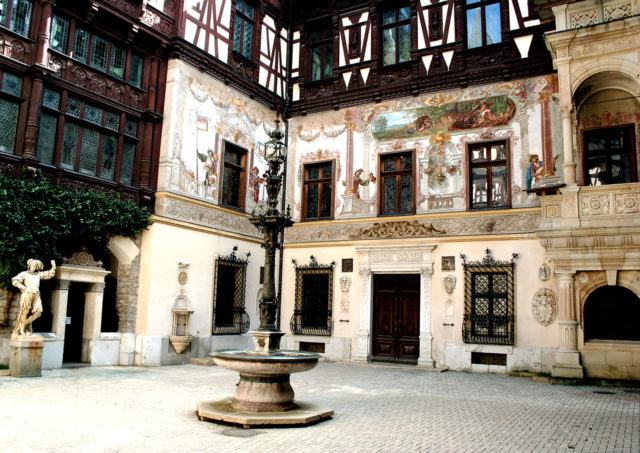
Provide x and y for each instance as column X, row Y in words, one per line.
column 394, row 259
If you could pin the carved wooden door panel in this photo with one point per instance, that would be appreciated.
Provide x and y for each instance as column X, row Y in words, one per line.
column 396, row 310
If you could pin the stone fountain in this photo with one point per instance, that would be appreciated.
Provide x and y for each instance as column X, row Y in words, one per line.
column 264, row 395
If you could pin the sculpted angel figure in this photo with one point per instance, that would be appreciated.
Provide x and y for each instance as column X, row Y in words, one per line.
column 28, row 282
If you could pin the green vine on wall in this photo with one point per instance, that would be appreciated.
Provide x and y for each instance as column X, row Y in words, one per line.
column 43, row 221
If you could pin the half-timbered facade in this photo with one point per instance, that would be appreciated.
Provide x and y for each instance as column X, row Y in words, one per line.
column 439, row 153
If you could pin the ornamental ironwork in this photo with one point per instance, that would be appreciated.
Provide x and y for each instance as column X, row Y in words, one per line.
column 314, row 299
column 489, row 305
column 229, row 315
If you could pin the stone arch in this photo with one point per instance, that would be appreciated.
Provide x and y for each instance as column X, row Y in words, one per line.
column 610, row 314
column 581, row 73
column 588, row 282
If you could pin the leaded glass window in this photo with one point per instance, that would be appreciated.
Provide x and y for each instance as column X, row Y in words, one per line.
column 99, row 52
column 51, row 98
column 312, row 314
column 89, row 151
column 243, row 28
column 59, row 34
column 489, row 178
column 47, row 138
column 396, row 35
column 131, row 127
column 397, row 181
column 229, row 315
column 489, row 301
column 135, row 74
column 609, row 156
column 318, row 193
column 93, row 113
column 112, row 120
column 74, row 106
column 69, row 146
column 484, row 23
column 12, row 84
column 9, row 114
column 108, row 158
column 81, row 45
column 118, row 57
column 16, row 15
column 126, row 162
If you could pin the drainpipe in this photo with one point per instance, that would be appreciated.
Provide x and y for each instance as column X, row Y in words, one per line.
column 284, row 172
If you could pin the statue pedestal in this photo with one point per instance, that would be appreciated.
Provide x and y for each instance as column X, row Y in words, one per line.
column 26, row 356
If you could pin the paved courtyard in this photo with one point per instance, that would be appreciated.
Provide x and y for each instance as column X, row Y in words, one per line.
column 129, row 409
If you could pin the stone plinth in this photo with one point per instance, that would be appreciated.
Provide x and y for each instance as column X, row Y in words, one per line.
column 26, row 356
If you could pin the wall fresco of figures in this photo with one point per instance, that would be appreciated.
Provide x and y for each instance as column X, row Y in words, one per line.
column 438, row 128
column 206, row 115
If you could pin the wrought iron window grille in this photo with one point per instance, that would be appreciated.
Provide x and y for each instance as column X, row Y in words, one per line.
column 314, row 299
column 229, row 315
column 489, row 302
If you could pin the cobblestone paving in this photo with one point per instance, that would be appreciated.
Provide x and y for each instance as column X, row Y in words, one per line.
column 130, row 409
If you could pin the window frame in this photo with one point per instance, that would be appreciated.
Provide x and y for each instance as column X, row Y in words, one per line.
column 488, row 164
column 241, row 18
column 489, row 266
column 297, row 323
column 482, row 4
column 227, row 165
column 319, row 181
column 240, row 320
column 322, row 43
column 382, row 174
column 19, row 102
column 396, row 25
column 66, row 120
column 629, row 131
column 7, row 19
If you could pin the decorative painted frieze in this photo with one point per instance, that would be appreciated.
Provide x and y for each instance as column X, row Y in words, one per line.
column 397, row 229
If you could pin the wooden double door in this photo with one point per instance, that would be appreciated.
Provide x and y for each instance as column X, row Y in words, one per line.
column 396, row 318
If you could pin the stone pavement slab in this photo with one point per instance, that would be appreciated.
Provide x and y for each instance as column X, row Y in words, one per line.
column 130, row 409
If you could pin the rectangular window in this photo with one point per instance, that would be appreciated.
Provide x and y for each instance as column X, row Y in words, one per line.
column 396, row 35
column 609, row 156
column 318, row 194
column 59, row 34
column 118, row 56
column 90, row 138
column 489, row 305
column 135, row 74
column 321, row 48
column 396, row 183
column 489, row 178
column 229, row 315
column 314, row 299
column 81, row 45
column 16, row 15
column 233, row 176
column 9, row 110
column 99, row 51
column 243, row 28
column 484, row 23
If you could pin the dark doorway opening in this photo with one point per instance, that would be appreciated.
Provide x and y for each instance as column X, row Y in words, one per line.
column 109, row 321
column 74, row 323
column 612, row 313
column 396, row 318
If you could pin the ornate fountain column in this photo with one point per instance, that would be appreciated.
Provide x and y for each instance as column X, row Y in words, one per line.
column 567, row 357
column 362, row 337
column 426, row 338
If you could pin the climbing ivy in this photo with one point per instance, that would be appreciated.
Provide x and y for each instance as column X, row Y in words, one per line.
column 43, row 221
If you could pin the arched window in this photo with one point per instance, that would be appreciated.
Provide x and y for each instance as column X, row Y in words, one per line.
column 612, row 313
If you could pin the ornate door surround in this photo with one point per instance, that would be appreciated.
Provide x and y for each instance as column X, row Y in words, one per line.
column 395, row 259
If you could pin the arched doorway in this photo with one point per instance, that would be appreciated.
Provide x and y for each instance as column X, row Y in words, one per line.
column 612, row 313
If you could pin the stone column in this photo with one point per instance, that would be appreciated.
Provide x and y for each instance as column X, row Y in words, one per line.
column 425, row 358
column 362, row 338
column 59, row 300
column 567, row 357
column 567, row 142
column 92, row 319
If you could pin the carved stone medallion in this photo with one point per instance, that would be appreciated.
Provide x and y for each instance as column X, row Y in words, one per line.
column 449, row 283
column 545, row 306
column 544, row 273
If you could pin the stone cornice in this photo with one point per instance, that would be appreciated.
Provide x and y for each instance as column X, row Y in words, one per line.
column 376, row 228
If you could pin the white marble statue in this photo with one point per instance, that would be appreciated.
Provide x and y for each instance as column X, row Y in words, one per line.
column 28, row 282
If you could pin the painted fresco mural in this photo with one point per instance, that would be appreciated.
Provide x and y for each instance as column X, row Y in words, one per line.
column 437, row 127
column 211, row 115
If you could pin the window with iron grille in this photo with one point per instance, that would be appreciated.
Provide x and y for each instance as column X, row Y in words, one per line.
column 243, row 28
column 396, row 35
column 489, row 175
column 396, row 184
column 10, row 103
column 80, row 136
column 489, row 305
column 317, row 193
column 314, row 299
column 233, row 176
column 229, row 315
column 16, row 15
